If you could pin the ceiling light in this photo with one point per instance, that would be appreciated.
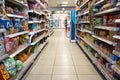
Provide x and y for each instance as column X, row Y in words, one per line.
column 64, row 2
column 63, row 5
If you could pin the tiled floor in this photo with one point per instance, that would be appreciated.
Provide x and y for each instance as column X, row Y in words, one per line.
column 62, row 60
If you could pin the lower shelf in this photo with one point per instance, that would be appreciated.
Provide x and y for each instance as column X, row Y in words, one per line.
column 30, row 61
column 95, row 62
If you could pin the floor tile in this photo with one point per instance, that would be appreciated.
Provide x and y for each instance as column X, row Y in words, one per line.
column 38, row 77
column 64, row 70
column 89, row 77
column 64, row 77
column 38, row 69
column 86, row 70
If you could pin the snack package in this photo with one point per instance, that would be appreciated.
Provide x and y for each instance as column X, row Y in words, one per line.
column 10, row 64
column 19, row 65
column 11, row 44
column 4, row 75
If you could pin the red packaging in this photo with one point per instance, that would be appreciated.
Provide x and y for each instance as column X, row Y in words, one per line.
column 4, row 75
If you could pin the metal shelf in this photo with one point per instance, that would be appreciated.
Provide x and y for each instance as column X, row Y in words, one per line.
column 3, row 57
column 17, row 2
column 99, row 2
column 84, row 22
column 117, row 21
column 108, row 11
column 2, row 30
column 85, row 30
column 31, row 22
column 118, row 4
column 85, row 13
column 20, row 49
column 116, row 36
column 84, row 4
column 116, row 53
column 88, row 31
column 99, row 52
column 15, row 16
column 41, row 4
column 36, row 12
column 108, row 28
column 38, row 39
column 104, row 40
column 34, row 32
column 17, row 34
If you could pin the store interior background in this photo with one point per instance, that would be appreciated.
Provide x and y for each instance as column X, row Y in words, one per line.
column 61, row 10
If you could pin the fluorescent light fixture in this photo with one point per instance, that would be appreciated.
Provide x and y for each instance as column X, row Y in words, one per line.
column 63, row 5
column 64, row 2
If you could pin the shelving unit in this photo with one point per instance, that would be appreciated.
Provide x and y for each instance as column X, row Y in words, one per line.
column 100, row 38
column 21, row 36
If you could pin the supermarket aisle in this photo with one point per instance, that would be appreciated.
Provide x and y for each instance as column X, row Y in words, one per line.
column 62, row 60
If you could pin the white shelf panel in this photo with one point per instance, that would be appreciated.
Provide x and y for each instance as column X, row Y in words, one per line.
column 85, row 3
column 88, row 31
column 34, row 32
column 33, row 11
column 17, row 2
column 108, row 28
column 116, row 36
column 116, row 53
column 104, row 40
column 85, row 13
column 99, row 2
column 99, row 52
column 84, row 22
column 15, row 16
column 20, row 49
column 17, row 34
column 108, row 11
column 2, row 30
column 38, row 39
column 118, row 4
column 85, row 30
column 117, row 21
column 41, row 4
column 2, row 57
column 31, row 22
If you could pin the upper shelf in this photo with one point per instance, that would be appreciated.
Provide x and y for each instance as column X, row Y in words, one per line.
column 117, row 21
column 118, row 4
column 17, row 34
column 41, row 4
column 34, row 32
column 84, row 4
column 31, row 22
column 108, row 11
column 19, row 3
column 99, row 2
column 84, row 22
column 36, row 12
column 104, row 40
column 108, row 28
column 116, row 36
column 15, row 16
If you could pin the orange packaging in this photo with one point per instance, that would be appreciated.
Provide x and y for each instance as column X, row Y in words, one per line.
column 4, row 75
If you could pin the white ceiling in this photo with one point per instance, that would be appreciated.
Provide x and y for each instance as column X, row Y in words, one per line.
column 56, row 3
